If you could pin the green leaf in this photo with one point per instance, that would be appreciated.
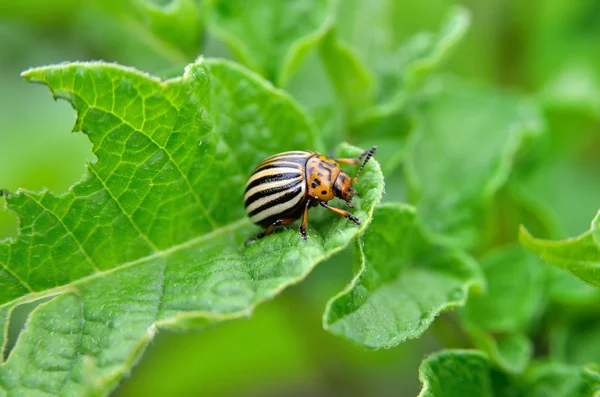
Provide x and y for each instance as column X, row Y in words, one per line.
column 461, row 154
column 352, row 82
column 401, row 68
column 568, row 289
column 152, row 238
column 510, row 352
column 514, row 295
column 580, row 255
column 571, row 160
column 269, row 37
column 402, row 282
column 456, row 373
column 4, row 316
column 559, row 380
column 576, row 339
column 468, row 373
column 333, row 85
column 513, row 300
column 173, row 30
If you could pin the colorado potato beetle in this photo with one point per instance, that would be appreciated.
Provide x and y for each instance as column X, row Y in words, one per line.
column 286, row 185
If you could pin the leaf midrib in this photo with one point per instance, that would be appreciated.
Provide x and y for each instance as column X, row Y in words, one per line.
column 239, row 223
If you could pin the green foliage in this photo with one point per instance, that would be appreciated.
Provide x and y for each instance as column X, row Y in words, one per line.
column 175, row 26
column 267, row 36
column 579, row 255
column 455, row 373
column 499, row 318
column 151, row 238
column 477, row 163
column 469, row 373
column 402, row 283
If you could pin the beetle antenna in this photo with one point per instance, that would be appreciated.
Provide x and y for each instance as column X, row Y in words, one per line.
column 368, row 154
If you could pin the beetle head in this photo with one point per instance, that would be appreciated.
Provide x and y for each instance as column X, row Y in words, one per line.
column 343, row 187
column 343, row 184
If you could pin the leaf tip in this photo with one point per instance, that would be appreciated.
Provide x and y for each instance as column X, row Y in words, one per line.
column 525, row 237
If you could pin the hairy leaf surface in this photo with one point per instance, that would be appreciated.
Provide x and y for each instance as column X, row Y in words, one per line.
column 153, row 236
column 402, row 282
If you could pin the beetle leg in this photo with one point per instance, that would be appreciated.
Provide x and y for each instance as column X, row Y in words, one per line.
column 304, row 224
column 269, row 230
column 355, row 160
column 341, row 212
column 348, row 161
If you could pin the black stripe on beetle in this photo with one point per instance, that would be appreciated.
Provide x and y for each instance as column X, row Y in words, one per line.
column 285, row 202
column 268, row 191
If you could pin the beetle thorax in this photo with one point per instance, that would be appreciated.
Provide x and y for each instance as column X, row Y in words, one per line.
column 321, row 174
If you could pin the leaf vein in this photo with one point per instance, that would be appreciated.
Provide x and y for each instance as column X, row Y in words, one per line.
column 67, row 229
column 69, row 287
column 116, row 200
column 78, row 344
column 16, row 276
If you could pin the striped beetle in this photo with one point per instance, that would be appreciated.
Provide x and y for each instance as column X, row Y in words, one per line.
column 284, row 187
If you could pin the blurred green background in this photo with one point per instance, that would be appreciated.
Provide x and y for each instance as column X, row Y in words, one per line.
column 549, row 49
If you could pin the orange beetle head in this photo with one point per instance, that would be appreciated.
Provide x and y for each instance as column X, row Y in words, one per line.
column 343, row 187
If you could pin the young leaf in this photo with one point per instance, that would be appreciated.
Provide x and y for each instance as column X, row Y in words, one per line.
column 456, row 373
column 461, row 153
column 402, row 283
column 334, row 86
column 153, row 236
column 352, row 81
column 399, row 67
column 267, row 36
column 580, row 255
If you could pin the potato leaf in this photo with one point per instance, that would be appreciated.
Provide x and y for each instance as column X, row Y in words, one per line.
column 402, row 282
column 452, row 373
column 513, row 300
column 461, row 154
column 579, row 255
column 560, row 380
column 401, row 68
column 171, row 31
column 267, row 36
column 455, row 373
column 152, row 238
